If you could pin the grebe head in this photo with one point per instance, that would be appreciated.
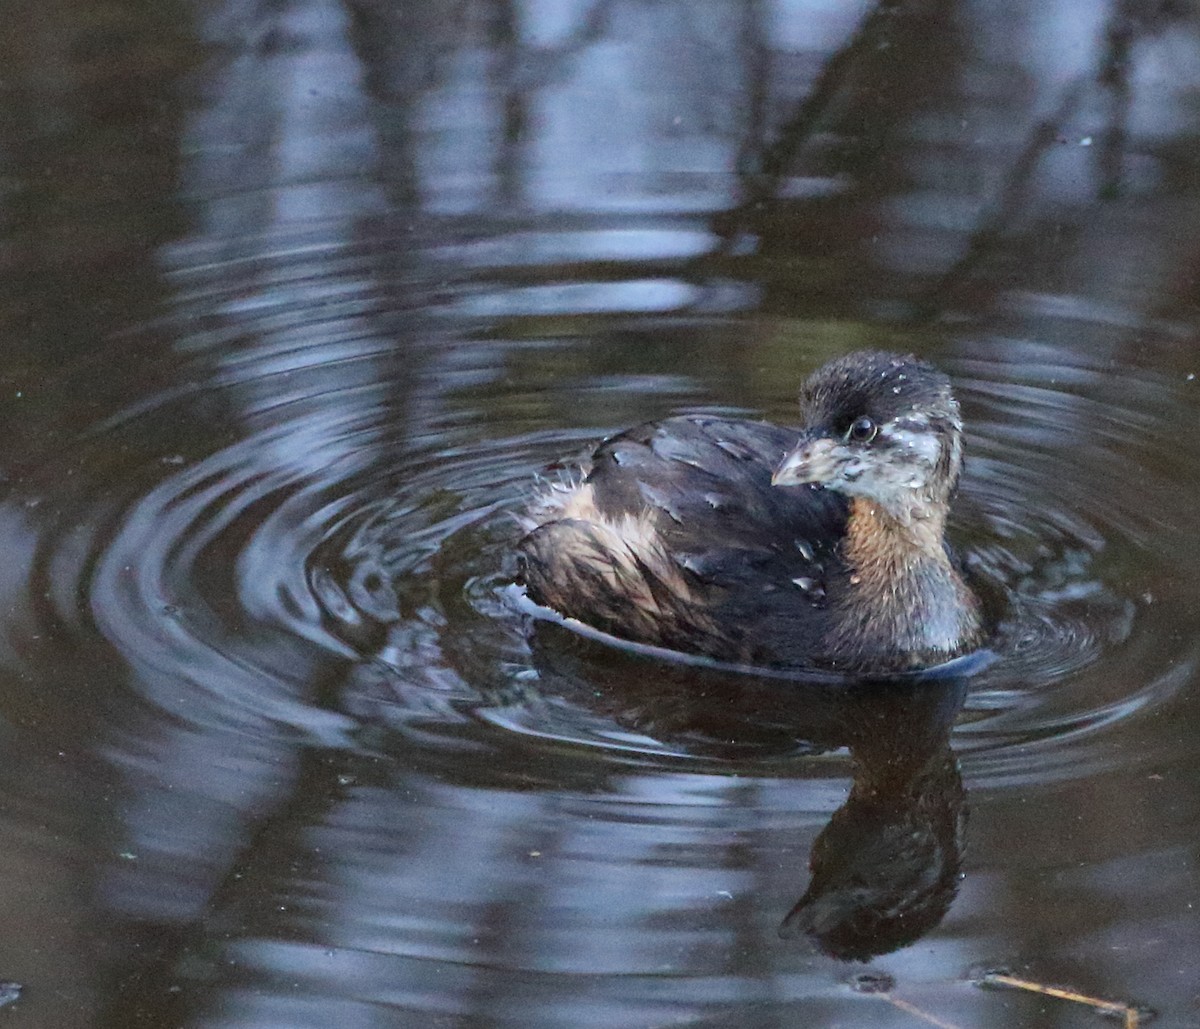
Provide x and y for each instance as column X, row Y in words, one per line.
column 884, row 427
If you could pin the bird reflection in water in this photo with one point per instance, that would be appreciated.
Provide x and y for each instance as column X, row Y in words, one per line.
column 886, row 867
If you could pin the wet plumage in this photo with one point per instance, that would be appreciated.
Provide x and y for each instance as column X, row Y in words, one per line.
column 754, row 543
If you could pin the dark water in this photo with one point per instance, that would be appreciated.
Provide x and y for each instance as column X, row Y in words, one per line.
column 298, row 299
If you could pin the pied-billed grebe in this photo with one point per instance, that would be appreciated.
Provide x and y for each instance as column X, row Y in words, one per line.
column 731, row 538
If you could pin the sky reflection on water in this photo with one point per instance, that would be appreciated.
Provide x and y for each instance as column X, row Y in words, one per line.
column 299, row 297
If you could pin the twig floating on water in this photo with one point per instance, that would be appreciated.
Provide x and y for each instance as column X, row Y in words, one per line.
column 1112, row 1007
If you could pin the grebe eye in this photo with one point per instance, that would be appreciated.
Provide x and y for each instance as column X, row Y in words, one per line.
column 863, row 430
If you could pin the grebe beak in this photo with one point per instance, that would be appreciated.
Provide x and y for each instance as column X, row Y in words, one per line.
column 811, row 461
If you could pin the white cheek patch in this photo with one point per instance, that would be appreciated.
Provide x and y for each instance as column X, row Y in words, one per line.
column 912, row 436
column 896, row 470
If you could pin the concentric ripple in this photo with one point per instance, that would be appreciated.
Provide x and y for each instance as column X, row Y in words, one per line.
column 318, row 646
column 1072, row 525
column 330, row 535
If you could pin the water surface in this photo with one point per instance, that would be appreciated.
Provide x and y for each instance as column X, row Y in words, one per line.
column 299, row 301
